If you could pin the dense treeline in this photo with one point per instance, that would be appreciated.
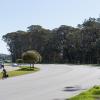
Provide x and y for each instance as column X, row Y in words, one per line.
column 65, row 44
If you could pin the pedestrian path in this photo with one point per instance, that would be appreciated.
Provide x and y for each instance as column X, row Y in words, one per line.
column 9, row 68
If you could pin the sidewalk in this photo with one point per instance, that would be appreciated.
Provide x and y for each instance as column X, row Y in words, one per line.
column 9, row 68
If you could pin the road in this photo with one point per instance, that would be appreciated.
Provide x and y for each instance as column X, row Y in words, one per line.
column 52, row 82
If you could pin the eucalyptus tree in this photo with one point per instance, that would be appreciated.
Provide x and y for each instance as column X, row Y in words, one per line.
column 64, row 44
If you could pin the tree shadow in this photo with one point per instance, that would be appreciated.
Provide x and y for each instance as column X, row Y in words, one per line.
column 26, row 69
column 60, row 99
column 72, row 88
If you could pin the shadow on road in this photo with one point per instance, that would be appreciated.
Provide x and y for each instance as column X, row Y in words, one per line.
column 73, row 88
column 59, row 99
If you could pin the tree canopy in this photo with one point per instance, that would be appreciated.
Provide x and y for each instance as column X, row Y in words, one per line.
column 31, row 57
column 64, row 44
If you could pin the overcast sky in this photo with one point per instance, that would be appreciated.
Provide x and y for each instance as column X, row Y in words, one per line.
column 19, row 14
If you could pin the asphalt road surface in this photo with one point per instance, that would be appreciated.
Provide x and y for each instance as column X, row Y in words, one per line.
column 52, row 82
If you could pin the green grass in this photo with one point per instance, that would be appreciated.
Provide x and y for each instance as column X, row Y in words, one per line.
column 21, row 71
column 92, row 94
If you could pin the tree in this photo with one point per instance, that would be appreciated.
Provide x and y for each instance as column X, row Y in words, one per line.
column 65, row 44
column 31, row 57
column 15, row 42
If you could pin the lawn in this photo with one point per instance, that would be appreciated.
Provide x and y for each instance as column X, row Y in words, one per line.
column 21, row 71
column 92, row 94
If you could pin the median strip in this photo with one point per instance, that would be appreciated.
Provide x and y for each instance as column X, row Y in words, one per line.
column 21, row 71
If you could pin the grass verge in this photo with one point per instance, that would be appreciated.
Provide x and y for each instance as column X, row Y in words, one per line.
column 92, row 94
column 21, row 71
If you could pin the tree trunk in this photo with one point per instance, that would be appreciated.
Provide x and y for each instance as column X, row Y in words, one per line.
column 33, row 65
column 30, row 66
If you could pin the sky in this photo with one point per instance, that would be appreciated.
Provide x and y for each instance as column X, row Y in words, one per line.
column 19, row 14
